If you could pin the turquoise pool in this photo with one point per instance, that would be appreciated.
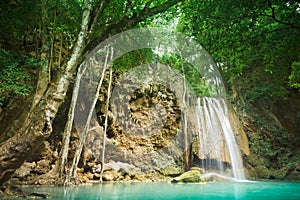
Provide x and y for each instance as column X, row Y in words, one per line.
column 160, row 190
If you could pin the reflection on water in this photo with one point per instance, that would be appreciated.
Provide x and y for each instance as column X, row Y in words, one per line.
column 209, row 191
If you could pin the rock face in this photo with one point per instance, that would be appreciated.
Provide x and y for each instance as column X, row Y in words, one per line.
column 272, row 128
column 40, row 164
column 25, row 169
column 140, row 140
column 141, row 156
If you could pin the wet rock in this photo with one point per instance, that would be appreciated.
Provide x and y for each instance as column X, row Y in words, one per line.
column 39, row 195
column 96, row 176
column 12, row 190
column 123, row 168
column 127, row 178
column 90, row 176
column 25, row 169
column 16, row 181
column 112, row 175
column 97, row 168
column 48, row 181
column 154, row 176
column 171, row 171
column 139, row 177
column 82, row 178
column 198, row 169
column 192, row 176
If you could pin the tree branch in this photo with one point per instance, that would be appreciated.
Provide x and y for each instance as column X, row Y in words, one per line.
column 96, row 13
column 127, row 22
column 273, row 16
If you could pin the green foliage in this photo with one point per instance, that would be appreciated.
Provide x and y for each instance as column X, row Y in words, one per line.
column 35, row 19
column 15, row 78
column 294, row 78
column 270, row 142
column 193, row 78
column 132, row 59
column 62, row 20
column 167, row 19
column 256, row 41
column 263, row 85
column 17, row 19
column 144, row 56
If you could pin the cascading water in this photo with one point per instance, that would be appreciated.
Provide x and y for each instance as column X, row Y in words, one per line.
column 217, row 143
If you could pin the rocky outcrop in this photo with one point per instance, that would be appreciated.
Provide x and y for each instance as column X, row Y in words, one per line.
column 272, row 131
column 138, row 148
column 25, row 169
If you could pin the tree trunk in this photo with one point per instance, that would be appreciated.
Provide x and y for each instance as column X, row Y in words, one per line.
column 38, row 123
column 106, row 120
column 60, row 166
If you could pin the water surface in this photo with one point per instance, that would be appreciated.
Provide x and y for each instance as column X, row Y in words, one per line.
column 161, row 190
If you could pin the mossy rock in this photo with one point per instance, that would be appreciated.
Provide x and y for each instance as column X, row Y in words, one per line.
column 256, row 160
column 192, row 176
column 171, row 171
column 262, row 172
column 279, row 174
column 293, row 176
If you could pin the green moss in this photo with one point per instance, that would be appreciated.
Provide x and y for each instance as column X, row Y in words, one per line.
column 262, row 172
column 192, row 176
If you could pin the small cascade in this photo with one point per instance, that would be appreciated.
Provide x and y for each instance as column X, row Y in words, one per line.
column 218, row 148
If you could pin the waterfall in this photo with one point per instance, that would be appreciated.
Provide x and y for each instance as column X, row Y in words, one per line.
column 217, row 143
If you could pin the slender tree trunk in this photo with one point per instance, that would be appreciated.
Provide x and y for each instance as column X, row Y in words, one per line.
column 106, row 120
column 72, row 176
column 60, row 49
column 52, row 45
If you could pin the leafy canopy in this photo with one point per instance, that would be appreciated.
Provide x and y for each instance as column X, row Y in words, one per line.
column 256, row 41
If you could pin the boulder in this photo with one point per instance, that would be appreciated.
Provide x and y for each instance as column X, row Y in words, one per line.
column 171, row 171
column 192, row 176
column 139, row 177
column 123, row 168
column 112, row 175
column 208, row 177
column 89, row 175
